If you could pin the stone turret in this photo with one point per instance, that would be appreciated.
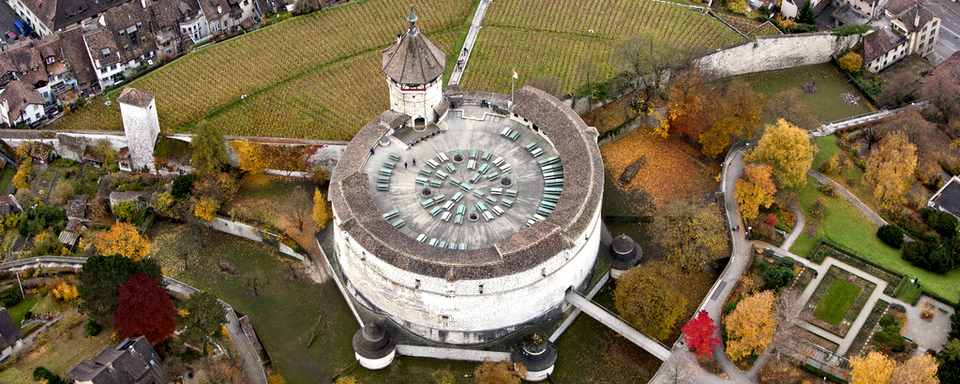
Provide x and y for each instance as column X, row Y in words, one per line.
column 414, row 69
column 537, row 355
column 625, row 254
column 140, row 125
column 373, row 347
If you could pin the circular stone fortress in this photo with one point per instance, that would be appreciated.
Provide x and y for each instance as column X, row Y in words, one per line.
column 461, row 217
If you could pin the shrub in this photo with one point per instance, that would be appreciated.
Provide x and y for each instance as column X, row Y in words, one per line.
column 182, row 186
column 41, row 373
column 944, row 223
column 777, row 276
column 887, row 320
column 11, row 296
column 890, row 339
column 891, row 235
column 851, row 62
column 771, row 220
column 91, row 329
column 63, row 192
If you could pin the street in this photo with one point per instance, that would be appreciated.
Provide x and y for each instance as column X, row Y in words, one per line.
column 949, row 41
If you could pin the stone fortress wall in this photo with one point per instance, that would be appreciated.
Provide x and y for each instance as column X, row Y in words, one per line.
column 767, row 53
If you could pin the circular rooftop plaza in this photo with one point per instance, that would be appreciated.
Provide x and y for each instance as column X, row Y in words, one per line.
column 472, row 179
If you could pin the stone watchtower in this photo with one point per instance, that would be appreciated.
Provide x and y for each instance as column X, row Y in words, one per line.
column 140, row 125
column 414, row 67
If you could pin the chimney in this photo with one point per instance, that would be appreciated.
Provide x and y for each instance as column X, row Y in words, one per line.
column 398, row 37
column 916, row 19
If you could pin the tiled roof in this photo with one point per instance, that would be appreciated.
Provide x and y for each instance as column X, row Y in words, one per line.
column 134, row 361
column 18, row 96
column 352, row 200
column 60, row 14
column 897, row 7
column 135, row 97
column 876, row 44
column 77, row 207
column 909, row 18
column 414, row 59
column 24, row 58
column 137, row 36
column 76, row 55
column 168, row 13
column 101, row 47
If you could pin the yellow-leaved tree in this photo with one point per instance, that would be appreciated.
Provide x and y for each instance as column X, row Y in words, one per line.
column 851, row 62
column 788, row 150
column 640, row 300
column 321, row 211
column 206, row 208
column 692, row 232
column 890, row 168
column 874, row 368
column 751, row 325
column 755, row 189
column 122, row 239
column 499, row 372
column 736, row 113
column 250, row 156
column 920, row 369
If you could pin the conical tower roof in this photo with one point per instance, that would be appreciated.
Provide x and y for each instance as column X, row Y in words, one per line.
column 414, row 59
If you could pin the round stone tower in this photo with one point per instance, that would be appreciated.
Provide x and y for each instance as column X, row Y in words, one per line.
column 538, row 356
column 414, row 67
column 373, row 348
column 625, row 254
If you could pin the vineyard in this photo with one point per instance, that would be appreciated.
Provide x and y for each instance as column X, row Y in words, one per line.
column 552, row 39
column 310, row 73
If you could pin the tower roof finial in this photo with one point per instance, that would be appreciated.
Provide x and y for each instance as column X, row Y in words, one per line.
column 412, row 18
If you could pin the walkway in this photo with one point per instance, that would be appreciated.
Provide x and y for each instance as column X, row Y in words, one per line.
column 853, row 199
column 617, row 324
column 797, row 228
column 251, row 357
column 464, row 53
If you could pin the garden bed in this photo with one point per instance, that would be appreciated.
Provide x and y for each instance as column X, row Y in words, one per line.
column 837, row 301
column 825, row 249
column 867, row 330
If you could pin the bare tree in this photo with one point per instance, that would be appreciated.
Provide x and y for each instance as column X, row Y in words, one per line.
column 787, row 311
column 941, row 88
column 901, row 88
column 298, row 207
column 650, row 60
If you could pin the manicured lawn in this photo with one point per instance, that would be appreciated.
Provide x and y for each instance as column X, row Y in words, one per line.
column 835, row 304
column 284, row 306
column 910, row 293
column 6, row 177
column 18, row 311
column 826, row 102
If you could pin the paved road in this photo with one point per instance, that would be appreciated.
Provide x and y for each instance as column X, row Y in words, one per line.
column 464, row 53
column 617, row 325
column 853, row 199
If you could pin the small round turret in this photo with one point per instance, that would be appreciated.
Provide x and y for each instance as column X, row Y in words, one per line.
column 625, row 254
column 373, row 347
column 538, row 356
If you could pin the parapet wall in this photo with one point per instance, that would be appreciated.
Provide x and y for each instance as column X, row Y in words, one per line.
column 767, row 53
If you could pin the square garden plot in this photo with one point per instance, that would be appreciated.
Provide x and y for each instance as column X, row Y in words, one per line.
column 837, row 301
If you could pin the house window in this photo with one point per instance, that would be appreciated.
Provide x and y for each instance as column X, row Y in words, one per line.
column 931, row 41
column 921, row 46
column 38, row 116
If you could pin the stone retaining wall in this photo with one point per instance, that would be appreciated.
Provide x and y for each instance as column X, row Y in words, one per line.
column 767, row 53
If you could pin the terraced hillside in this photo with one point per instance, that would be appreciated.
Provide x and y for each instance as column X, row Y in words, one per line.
column 551, row 38
column 314, row 76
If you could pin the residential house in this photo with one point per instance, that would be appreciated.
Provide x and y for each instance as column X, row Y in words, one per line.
column 10, row 336
column 134, row 361
column 75, row 55
column 27, row 64
column 121, row 41
column 47, row 17
column 180, row 24
column 868, row 9
column 883, row 47
column 20, row 102
column 920, row 26
column 947, row 199
column 9, row 206
column 912, row 29
column 223, row 16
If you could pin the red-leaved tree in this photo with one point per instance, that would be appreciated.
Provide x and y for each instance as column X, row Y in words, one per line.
column 144, row 309
column 699, row 334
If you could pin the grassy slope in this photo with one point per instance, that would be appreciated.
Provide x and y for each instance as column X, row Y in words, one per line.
column 60, row 355
column 284, row 311
column 17, row 311
column 837, row 301
column 826, row 102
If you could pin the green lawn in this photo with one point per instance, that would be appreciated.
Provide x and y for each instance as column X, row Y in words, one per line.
column 64, row 349
column 6, row 177
column 826, row 102
column 838, row 300
column 18, row 311
column 284, row 308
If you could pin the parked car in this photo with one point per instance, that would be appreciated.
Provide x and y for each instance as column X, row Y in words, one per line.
column 10, row 35
column 21, row 27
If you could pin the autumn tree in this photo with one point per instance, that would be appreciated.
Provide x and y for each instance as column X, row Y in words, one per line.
column 275, row 378
column 851, row 62
column 789, row 105
column 899, row 89
column 144, row 309
column 321, row 210
column 204, row 316
column 205, row 208
column 640, row 301
column 736, row 113
column 942, row 90
column 250, row 156
column 222, row 371
column 122, row 239
column 691, row 232
column 297, row 208
column 755, row 189
column 751, row 325
column 101, row 278
column 209, row 150
column 22, row 178
column 919, row 369
column 688, row 98
column 890, row 168
column 875, row 368
column 500, row 372
column 788, row 150
column 700, row 334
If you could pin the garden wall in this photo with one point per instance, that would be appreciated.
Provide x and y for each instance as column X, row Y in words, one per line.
column 767, row 53
column 250, row 232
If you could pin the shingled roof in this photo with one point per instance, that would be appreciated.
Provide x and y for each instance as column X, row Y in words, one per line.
column 134, row 361
column 135, row 97
column 877, row 44
column 19, row 95
column 9, row 332
column 414, row 59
